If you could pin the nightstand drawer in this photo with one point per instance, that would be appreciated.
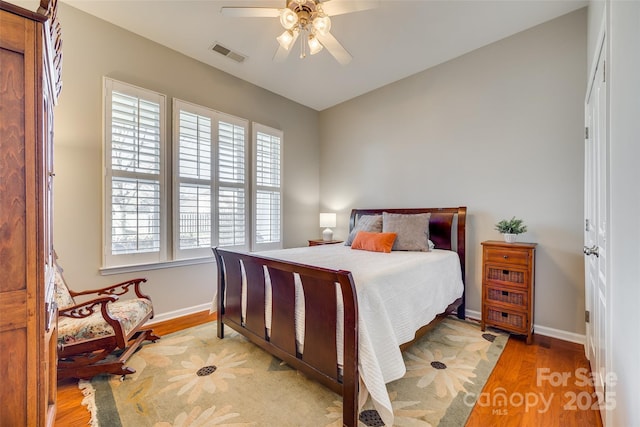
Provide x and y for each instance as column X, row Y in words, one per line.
column 506, row 256
column 505, row 275
column 508, row 297
column 511, row 320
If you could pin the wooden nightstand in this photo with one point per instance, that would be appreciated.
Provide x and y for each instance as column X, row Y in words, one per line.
column 508, row 273
column 319, row 242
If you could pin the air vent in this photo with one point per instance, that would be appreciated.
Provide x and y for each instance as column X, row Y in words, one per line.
column 218, row 48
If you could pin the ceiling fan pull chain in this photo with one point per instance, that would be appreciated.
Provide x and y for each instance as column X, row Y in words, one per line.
column 303, row 53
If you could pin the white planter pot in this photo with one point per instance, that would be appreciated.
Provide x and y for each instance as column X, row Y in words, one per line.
column 509, row 237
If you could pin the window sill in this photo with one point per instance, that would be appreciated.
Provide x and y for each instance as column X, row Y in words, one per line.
column 107, row 271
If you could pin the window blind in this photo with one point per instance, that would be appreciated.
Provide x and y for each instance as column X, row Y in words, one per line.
column 195, row 184
column 135, row 216
column 268, row 192
column 232, row 204
column 211, row 202
column 134, row 135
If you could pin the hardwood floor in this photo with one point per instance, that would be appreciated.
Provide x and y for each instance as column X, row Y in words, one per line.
column 542, row 384
column 546, row 384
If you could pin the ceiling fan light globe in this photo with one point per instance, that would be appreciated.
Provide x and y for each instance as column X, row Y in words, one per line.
column 322, row 24
column 288, row 18
column 286, row 39
column 314, row 45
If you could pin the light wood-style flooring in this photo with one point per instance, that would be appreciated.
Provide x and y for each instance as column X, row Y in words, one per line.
column 542, row 384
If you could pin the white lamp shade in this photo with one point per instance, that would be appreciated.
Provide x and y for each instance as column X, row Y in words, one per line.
column 322, row 24
column 327, row 220
column 288, row 18
column 286, row 39
column 314, row 46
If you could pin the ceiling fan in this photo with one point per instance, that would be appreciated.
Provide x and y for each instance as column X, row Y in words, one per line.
column 307, row 18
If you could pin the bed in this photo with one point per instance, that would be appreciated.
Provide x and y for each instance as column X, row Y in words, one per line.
column 333, row 312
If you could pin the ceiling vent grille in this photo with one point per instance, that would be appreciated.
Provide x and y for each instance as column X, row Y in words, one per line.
column 218, row 48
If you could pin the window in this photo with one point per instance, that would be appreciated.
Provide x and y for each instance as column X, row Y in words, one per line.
column 267, row 146
column 209, row 200
column 232, row 184
column 210, row 211
column 134, row 173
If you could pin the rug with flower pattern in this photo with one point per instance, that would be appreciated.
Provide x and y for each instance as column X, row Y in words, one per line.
column 192, row 378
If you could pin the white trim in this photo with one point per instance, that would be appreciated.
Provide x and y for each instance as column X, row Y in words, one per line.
column 540, row 330
column 560, row 334
column 107, row 271
column 179, row 313
column 602, row 33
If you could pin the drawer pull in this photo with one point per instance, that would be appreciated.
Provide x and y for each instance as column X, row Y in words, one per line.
column 505, row 256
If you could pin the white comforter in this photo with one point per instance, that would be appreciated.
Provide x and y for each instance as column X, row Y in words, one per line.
column 398, row 293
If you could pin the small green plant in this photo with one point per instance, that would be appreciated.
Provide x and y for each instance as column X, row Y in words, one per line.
column 511, row 226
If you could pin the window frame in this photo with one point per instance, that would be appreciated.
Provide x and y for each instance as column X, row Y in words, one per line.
column 116, row 260
column 215, row 183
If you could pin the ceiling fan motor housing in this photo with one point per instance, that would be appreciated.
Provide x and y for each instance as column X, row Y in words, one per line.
column 305, row 9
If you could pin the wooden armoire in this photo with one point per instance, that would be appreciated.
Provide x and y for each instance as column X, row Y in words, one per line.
column 30, row 65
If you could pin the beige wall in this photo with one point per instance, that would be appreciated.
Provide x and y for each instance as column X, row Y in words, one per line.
column 499, row 130
column 93, row 49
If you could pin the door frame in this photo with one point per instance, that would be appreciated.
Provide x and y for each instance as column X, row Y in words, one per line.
column 601, row 48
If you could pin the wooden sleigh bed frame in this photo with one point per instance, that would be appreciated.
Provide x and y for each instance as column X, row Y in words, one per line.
column 320, row 360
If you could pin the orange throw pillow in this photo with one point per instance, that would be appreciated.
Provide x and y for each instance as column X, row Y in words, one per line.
column 374, row 242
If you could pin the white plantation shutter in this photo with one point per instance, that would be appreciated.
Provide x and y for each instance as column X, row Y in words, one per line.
column 134, row 143
column 193, row 144
column 195, row 216
column 211, row 183
column 135, row 216
column 268, row 189
column 135, row 134
column 232, row 182
column 212, row 200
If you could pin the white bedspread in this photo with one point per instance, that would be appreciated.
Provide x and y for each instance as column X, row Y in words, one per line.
column 398, row 293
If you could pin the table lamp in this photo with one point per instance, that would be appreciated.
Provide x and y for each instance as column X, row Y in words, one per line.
column 327, row 220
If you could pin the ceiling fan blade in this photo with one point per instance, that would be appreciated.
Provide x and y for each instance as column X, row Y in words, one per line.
column 250, row 12
column 337, row 7
column 282, row 53
column 335, row 48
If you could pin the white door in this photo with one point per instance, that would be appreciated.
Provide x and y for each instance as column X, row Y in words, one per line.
column 595, row 236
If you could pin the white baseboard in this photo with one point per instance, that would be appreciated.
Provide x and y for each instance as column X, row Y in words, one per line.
column 560, row 334
column 471, row 314
column 541, row 330
column 179, row 313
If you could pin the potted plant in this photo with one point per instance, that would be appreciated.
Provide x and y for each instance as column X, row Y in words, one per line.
column 510, row 228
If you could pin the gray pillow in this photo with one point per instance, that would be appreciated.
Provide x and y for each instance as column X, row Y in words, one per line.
column 371, row 223
column 412, row 230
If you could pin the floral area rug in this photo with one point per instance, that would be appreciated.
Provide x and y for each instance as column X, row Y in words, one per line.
column 192, row 378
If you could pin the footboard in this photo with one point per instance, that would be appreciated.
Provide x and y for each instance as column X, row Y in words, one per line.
column 319, row 358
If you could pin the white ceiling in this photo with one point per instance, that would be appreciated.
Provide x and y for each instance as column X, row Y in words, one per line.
column 388, row 43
